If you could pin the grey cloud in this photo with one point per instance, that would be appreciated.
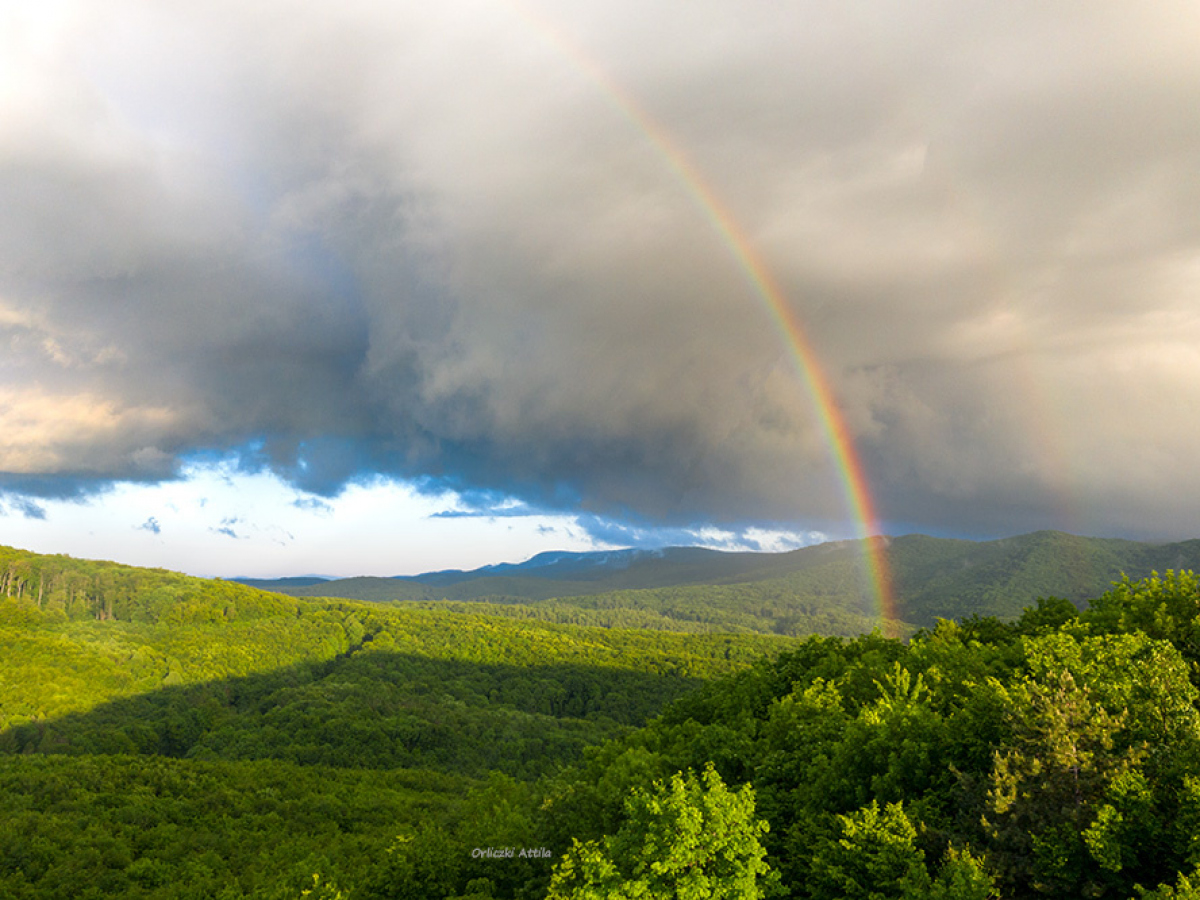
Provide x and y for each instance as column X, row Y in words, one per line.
column 500, row 512
column 322, row 239
column 227, row 527
column 26, row 507
column 313, row 504
column 735, row 537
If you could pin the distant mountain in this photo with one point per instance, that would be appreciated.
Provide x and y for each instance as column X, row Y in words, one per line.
column 558, row 564
column 788, row 592
column 624, row 568
column 551, row 574
column 557, row 574
column 274, row 584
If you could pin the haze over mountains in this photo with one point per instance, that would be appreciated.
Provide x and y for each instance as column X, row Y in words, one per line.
column 932, row 577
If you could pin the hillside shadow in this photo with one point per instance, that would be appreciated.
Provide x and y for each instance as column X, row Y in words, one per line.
column 372, row 709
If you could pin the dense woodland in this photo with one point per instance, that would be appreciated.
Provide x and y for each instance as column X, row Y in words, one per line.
column 822, row 589
column 163, row 736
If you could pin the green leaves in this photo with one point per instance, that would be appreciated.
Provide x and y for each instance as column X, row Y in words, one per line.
column 1047, row 818
column 874, row 858
column 161, row 828
column 1058, row 756
column 1166, row 606
column 688, row 839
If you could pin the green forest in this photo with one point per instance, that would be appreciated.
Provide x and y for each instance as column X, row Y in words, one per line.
column 822, row 589
column 163, row 736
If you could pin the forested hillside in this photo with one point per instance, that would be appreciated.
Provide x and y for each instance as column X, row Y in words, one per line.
column 105, row 665
column 1056, row 756
column 169, row 737
column 820, row 589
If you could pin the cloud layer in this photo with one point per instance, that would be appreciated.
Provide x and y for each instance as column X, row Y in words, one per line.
column 430, row 241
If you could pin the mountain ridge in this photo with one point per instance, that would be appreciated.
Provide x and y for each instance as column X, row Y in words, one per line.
column 932, row 577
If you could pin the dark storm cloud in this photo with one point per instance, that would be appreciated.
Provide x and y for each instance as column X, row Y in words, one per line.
column 421, row 241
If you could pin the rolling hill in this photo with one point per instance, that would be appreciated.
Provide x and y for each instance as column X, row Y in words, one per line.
column 166, row 737
column 814, row 589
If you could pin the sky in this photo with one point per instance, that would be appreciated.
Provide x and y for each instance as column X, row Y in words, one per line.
column 387, row 287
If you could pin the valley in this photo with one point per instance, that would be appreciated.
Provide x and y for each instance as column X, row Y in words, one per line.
column 165, row 736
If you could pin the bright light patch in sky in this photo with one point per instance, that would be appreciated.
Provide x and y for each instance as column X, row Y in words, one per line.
column 220, row 522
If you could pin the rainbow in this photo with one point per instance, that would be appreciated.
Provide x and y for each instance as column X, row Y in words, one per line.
column 851, row 472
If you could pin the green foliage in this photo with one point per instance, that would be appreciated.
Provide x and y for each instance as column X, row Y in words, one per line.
column 422, row 865
column 690, row 838
column 814, row 590
column 60, row 587
column 1049, row 615
column 326, row 890
column 207, row 680
column 762, row 607
column 344, row 684
column 166, row 737
column 482, row 845
column 953, row 579
column 1045, row 790
column 1058, row 756
column 1166, row 607
column 874, row 857
column 962, row 877
column 113, row 826
column 1187, row 888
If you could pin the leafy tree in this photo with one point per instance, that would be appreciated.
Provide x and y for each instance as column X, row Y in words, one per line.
column 1187, row 889
column 1166, row 606
column 1046, row 790
column 422, row 865
column 962, row 877
column 874, row 858
column 1050, row 614
column 689, row 839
